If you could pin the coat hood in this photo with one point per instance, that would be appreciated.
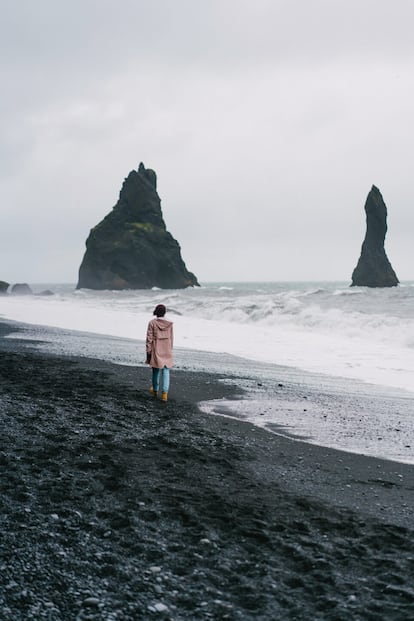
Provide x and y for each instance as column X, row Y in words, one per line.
column 163, row 324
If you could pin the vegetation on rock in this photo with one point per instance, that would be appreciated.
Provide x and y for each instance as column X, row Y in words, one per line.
column 131, row 247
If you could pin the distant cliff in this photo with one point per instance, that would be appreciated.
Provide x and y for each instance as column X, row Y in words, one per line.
column 373, row 268
column 131, row 247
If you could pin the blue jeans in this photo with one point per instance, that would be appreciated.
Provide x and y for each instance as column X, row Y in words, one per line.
column 165, row 379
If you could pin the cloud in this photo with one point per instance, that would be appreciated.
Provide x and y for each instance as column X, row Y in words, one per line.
column 266, row 122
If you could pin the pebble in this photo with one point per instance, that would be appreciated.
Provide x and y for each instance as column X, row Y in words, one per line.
column 155, row 569
column 91, row 601
column 158, row 607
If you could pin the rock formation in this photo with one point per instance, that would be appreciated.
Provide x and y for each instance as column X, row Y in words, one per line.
column 131, row 247
column 21, row 288
column 46, row 292
column 3, row 287
column 373, row 268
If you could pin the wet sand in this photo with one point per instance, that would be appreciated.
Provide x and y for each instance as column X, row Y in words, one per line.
column 115, row 506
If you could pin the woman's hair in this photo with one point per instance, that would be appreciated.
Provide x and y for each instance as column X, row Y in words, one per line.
column 160, row 310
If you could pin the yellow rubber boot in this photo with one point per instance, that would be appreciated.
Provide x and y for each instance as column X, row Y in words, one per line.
column 164, row 396
column 153, row 392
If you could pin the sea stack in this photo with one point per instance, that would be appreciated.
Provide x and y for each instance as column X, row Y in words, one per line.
column 131, row 247
column 373, row 268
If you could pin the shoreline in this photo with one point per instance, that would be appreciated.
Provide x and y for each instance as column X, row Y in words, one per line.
column 192, row 388
column 328, row 411
column 317, row 320
column 115, row 505
column 331, row 412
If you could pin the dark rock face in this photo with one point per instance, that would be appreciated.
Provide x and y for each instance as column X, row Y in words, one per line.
column 21, row 289
column 373, row 268
column 3, row 287
column 131, row 247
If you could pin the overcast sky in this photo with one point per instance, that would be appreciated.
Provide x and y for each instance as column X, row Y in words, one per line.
column 267, row 123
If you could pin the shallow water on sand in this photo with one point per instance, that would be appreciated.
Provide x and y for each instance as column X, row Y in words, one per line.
column 380, row 426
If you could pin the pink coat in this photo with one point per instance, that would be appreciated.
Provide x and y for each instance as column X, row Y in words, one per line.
column 159, row 343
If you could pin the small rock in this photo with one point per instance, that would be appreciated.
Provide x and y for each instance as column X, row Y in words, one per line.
column 155, row 569
column 161, row 607
column 158, row 607
column 91, row 601
column 21, row 289
column 46, row 292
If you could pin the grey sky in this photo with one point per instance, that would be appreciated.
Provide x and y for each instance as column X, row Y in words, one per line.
column 267, row 122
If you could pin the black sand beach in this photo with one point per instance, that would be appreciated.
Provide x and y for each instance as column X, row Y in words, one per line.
column 115, row 506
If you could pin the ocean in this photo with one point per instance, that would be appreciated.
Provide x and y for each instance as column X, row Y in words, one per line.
column 320, row 336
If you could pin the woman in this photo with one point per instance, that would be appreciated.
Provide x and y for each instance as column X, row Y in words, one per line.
column 159, row 345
